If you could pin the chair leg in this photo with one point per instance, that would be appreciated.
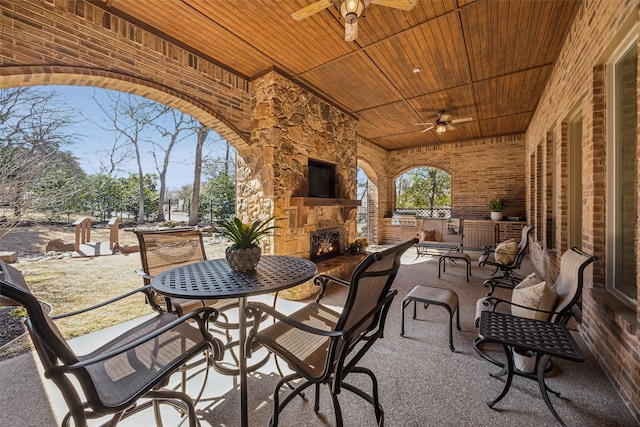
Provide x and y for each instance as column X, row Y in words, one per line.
column 336, row 407
column 316, row 402
column 373, row 399
column 279, row 406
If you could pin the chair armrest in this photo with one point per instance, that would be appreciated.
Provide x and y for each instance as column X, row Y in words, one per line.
column 492, row 303
column 486, row 251
column 202, row 315
column 102, row 304
column 323, row 280
column 253, row 309
column 140, row 272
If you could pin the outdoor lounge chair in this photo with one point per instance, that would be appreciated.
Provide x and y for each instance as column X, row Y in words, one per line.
column 323, row 346
column 134, row 365
column 504, row 275
column 567, row 289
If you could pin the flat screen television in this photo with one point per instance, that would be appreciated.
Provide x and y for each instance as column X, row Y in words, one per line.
column 322, row 179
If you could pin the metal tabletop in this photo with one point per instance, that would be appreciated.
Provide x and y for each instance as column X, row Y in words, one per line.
column 214, row 279
column 530, row 334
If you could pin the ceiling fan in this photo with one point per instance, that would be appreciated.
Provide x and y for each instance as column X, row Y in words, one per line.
column 442, row 123
column 350, row 10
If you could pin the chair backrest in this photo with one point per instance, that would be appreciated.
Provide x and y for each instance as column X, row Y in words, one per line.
column 161, row 250
column 370, row 284
column 522, row 245
column 46, row 336
column 568, row 285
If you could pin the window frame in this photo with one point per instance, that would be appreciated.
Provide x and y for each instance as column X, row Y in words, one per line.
column 628, row 42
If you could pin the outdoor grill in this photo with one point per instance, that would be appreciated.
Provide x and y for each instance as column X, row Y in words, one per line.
column 408, row 219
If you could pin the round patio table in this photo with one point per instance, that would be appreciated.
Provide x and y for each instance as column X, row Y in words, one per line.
column 214, row 279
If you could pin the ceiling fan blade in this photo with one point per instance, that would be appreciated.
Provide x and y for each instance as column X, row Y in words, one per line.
column 425, row 124
column 428, row 128
column 450, row 127
column 311, row 9
column 350, row 31
column 466, row 119
column 443, row 117
column 397, row 4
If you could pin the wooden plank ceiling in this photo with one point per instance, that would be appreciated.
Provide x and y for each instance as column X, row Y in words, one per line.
column 485, row 59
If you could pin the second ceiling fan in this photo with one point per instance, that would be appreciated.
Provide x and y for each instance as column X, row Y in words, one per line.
column 442, row 123
column 350, row 10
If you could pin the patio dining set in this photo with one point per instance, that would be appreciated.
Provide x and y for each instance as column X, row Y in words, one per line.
column 196, row 299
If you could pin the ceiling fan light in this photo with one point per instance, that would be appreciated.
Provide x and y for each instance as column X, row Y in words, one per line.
column 441, row 129
column 351, row 10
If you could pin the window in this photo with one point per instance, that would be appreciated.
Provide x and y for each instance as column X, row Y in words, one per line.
column 424, row 190
column 622, row 187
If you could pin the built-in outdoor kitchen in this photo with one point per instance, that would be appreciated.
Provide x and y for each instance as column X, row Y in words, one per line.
column 478, row 233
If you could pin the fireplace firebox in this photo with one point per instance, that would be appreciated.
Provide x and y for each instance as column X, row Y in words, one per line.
column 325, row 244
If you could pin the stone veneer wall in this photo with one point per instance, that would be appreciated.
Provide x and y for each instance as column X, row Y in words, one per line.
column 290, row 126
column 578, row 84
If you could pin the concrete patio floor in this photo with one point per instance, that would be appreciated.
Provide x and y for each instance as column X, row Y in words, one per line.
column 422, row 383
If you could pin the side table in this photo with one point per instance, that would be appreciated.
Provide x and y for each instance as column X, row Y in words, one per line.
column 545, row 339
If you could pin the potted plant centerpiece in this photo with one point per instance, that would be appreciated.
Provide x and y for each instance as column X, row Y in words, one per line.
column 245, row 251
column 496, row 206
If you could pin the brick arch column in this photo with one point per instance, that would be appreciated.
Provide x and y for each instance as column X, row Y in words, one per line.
column 372, row 201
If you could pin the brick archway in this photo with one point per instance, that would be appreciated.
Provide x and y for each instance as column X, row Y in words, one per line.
column 78, row 76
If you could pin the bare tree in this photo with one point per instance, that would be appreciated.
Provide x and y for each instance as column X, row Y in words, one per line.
column 128, row 117
column 121, row 150
column 182, row 126
column 33, row 132
column 203, row 132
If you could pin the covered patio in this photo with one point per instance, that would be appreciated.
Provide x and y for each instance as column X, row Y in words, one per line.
column 422, row 383
column 535, row 78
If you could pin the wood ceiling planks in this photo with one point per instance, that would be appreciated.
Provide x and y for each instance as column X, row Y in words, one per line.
column 484, row 59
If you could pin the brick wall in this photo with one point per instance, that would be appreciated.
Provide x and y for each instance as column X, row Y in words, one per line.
column 74, row 42
column 577, row 86
column 480, row 170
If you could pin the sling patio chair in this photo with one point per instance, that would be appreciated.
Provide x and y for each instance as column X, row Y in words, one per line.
column 324, row 346
column 128, row 373
column 506, row 257
column 535, row 298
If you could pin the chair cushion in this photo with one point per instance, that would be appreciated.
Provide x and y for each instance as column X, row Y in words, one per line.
column 535, row 293
column 427, row 235
column 506, row 252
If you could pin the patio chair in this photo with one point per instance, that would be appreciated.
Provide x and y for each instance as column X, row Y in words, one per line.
column 162, row 250
column 504, row 275
column 323, row 346
column 567, row 290
column 132, row 366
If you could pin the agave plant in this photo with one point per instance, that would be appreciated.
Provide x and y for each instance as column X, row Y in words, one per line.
column 243, row 235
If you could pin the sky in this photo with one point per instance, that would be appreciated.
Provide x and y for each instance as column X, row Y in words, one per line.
column 94, row 142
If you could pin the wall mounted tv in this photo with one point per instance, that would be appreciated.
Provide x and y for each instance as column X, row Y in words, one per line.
column 322, row 179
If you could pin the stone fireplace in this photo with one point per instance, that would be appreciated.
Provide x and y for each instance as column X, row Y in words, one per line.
column 324, row 244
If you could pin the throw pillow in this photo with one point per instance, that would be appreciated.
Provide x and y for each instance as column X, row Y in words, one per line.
column 427, row 235
column 506, row 252
column 535, row 293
